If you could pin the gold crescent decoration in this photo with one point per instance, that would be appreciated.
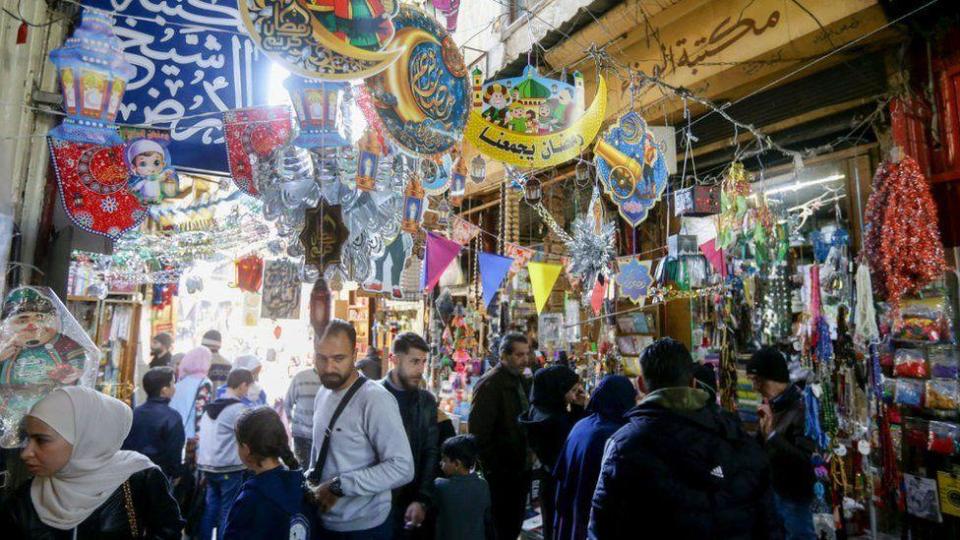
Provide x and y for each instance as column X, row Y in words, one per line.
column 424, row 97
column 294, row 36
column 533, row 150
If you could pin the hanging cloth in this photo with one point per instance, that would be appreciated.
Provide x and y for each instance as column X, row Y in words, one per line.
column 864, row 314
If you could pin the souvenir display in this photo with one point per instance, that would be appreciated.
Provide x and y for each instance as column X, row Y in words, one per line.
column 424, row 97
column 281, row 290
column 42, row 346
column 532, row 121
column 325, row 39
column 631, row 167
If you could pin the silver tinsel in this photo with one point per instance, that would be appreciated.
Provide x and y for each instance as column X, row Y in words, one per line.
column 591, row 253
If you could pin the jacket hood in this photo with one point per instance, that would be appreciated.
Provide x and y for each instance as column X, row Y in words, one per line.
column 281, row 486
column 687, row 404
column 677, row 399
column 215, row 407
column 613, row 397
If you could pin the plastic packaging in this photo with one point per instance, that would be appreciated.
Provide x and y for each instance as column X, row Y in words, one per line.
column 926, row 319
column 944, row 361
column 909, row 392
column 915, row 432
column 942, row 394
column 943, row 438
column 910, row 363
column 889, row 389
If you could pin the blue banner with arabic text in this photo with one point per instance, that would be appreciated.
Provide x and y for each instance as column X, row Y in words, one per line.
column 194, row 60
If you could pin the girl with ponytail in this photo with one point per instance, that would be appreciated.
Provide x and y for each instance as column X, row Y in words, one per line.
column 271, row 502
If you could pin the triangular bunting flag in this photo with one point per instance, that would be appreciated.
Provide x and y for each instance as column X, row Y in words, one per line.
column 597, row 295
column 493, row 268
column 440, row 253
column 715, row 256
column 520, row 255
column 462, row 231
column 542, row 278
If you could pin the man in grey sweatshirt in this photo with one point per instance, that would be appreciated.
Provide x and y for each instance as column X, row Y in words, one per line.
column 369, row 454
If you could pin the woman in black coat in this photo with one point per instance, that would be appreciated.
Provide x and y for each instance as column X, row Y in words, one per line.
column 557, row 402
column 84, row 486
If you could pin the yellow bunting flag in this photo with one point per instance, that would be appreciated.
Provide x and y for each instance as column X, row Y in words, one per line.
column 542, row 278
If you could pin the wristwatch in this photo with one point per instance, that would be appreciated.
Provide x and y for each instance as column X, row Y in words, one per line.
column 335, row 487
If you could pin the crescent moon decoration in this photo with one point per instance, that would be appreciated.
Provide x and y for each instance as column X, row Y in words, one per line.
column 531, row 121
column 297, row 36
column 631, row 167
column 423, row 98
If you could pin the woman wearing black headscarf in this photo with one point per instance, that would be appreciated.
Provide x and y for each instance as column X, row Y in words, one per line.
column 556, row 404
column 578, row 467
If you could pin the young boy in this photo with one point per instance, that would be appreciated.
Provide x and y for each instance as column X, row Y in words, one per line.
column 217, row 454
column 157, row 430
column 463, row 498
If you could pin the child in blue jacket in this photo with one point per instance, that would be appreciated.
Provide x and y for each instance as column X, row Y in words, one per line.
column 270, row 504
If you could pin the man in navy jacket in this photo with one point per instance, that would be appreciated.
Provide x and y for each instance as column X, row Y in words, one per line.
column 157, row 430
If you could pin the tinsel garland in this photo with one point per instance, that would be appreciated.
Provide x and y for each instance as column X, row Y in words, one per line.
column 902, row 242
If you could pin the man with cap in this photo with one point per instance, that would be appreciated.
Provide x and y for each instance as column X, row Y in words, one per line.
column 255, row 395
column 219, row 366
column 160, row 355
column 782, row 423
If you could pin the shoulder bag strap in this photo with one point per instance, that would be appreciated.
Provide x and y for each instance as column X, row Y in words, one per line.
column 314, row 475
column 131, row 510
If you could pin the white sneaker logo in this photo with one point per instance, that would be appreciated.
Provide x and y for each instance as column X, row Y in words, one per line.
column 717, row 471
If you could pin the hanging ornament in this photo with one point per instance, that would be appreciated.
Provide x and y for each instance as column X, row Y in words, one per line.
column 324, row 39
column 368, row 161
column 423, row 99
column 251, row 135
column 324, row 235
column 93, row 77
column 532, row 121
column 320, row 112
column 458, row 181
column 413, row 205
column 152, row 176
column 478, row 169
column 450, row 9
column 631, row 167
column 592, row 246
column 533, row 191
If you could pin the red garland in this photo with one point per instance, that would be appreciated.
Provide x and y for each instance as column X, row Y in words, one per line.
column 902, row 242
column 365, row 103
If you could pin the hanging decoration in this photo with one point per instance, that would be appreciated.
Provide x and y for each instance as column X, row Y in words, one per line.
column 450, row 10
column 152, row 177
column 370, row 151
column 493, row 270
column 423, row 99
column 592, row 245
column 93, row 77
column 520, row 255
column 322, row 112
column 323, row 236
column 92, row 180
column 251, row 136
column 532, row 121
column 249, row 273
column 388, row 268
column 413, row 197
column 327, row 40
column 542, row 278
column 733, row 205
column 439, row 254
column 462, row 231
column 478, row 169
column 902, row 241
column 281, row 290
column 435, row 174
column 458, row 181
column 634, row 278
column 631, row 166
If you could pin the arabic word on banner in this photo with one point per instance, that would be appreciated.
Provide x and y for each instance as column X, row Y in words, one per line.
column 533, row 121
column 631, row 167
column 424, row 97
column 323, row 235
column 634, row 279
column 187, row 75
column 281, row 290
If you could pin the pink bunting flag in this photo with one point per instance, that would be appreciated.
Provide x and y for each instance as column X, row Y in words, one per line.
column 596, row 297
column 714, row 256
column 462, row 231
column 440, row 253
column 520, row 255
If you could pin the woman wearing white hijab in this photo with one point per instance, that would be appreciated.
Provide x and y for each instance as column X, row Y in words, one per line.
column 84, row 486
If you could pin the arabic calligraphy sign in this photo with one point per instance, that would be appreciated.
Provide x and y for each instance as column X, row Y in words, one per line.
column 324, row 235
column 534, row 150
column 187, row 75
column 634, row 278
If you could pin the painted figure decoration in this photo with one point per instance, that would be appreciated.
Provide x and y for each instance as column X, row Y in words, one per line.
column 152, row 178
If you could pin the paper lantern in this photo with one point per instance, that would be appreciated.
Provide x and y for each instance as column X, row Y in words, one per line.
column 368, row 161
column 93, row 77
column 478, row 169
column 412, row 205
column 319, row 106
column 458, row 181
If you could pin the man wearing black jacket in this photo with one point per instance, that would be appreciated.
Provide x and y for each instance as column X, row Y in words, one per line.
column 679, row 468
column 418, row 409
column 782, row 434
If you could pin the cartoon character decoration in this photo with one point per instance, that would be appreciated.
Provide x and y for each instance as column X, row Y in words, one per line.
column 41, row 347
column 152, row 177
column 423, row 99
column 631, row 167
column 324, row 39
column 531, row 120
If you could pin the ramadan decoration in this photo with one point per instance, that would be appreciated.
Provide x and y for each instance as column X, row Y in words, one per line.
column 324, row 39
column 323, row 236
column 251, row 135
column 424, row 97
column 413, row 197
column 93, row 77
column 322, row 109
column 631, row 167
column 592, row 246
column 533, row 121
